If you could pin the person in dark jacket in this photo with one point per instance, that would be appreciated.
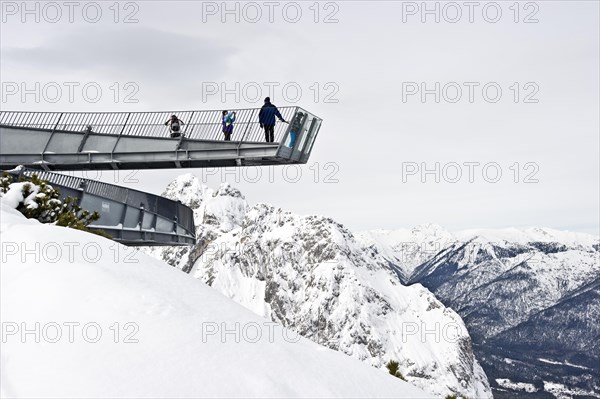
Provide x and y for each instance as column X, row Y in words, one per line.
column 228, row 119
column 266, row 118
column 174, row 124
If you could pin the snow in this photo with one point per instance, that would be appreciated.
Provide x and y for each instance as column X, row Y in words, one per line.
column 519, row 386
column 297, row 270
column 566, row 363
column 408, row 248
column 117, row 226
column 14, row 196
column 549, row 361
column 172, row 317
column 526, row 235
column 521, row 278
column 562, row 392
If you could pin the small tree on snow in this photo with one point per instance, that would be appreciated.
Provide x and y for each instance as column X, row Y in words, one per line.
column 39, row 200
column 394, row 369
column 73, row 216
column 5, row 182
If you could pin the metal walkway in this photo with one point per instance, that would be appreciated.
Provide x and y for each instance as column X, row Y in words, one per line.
column 131, row 217
column 47, row 141
column 140, row 140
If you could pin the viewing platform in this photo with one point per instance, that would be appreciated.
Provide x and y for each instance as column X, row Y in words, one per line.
column 141, row 140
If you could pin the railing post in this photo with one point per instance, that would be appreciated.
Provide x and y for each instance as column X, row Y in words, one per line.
column 245, row 131
column 124, row 214
column 287, row 131
column 88, row 130
column 125, row 124
column 52, row 134
column 187, row 124
column 118, row 138
column 296, row 153
column 310, row 136
column 182, row 135
column 141, row 216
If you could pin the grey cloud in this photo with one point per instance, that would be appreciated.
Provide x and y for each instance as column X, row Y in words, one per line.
column 141, row 52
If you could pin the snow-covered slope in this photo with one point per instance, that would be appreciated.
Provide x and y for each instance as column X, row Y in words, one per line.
column 407, row 248
column 525, row 295
column 310, row 274
column 175, row 336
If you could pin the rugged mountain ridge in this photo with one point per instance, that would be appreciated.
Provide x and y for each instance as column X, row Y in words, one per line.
column 312, row 275
column 529, row 297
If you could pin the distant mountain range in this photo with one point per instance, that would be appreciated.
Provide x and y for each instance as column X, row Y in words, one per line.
column 529, row 297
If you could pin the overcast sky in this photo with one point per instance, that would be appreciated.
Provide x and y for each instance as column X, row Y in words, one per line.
column 361, row 66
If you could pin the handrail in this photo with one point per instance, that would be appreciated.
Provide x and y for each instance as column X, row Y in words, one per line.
column 113, row 192
column 203, row 125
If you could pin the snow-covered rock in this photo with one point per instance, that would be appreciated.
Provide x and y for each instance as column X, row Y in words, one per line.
column 313, row 276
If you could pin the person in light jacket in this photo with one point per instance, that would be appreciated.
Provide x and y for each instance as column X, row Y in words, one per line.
column 228, row 119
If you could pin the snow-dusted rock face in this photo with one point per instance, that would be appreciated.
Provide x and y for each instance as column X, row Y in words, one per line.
column 313, row 276
column 530, row 299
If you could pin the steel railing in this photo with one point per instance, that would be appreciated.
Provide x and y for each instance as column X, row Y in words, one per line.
column 149, row 203
column 198, row 125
